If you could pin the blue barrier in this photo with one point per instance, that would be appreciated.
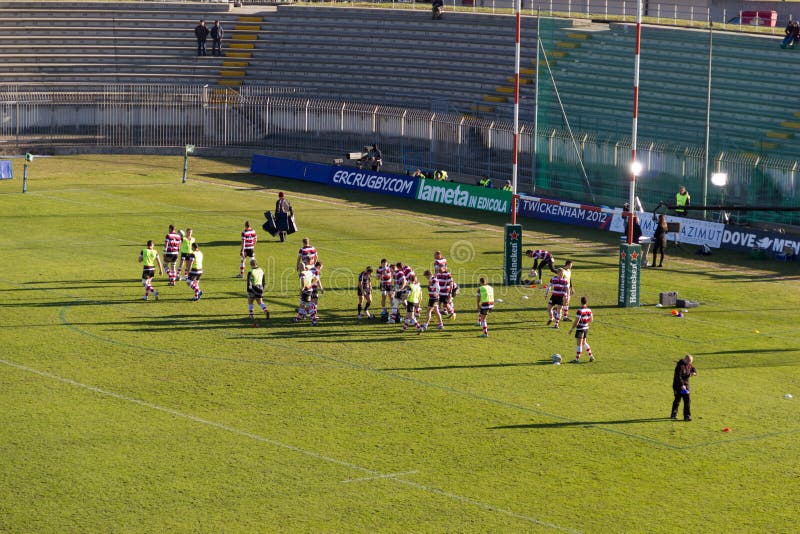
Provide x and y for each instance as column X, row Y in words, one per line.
column 5, row 170
column 290, row 168
column 347, row 177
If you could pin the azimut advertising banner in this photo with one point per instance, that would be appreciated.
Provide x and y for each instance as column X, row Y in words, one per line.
column 693, row 231
column 464, row 196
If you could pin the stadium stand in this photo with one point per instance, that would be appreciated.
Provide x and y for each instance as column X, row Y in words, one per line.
column 403, row 58
column 53, row 45
column 748, row 111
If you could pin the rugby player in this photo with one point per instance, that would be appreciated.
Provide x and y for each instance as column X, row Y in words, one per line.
column 195, row 270
column 412, row 304
column 149, row 258
column 172, row 247
column 256, row 280
column 557, row 289
column 583, row 317
column 186, row 252
column 248, row 250
column 384, row 276
column 433, row 300
column 541, row 259
column 485, row 304
column 365, row 292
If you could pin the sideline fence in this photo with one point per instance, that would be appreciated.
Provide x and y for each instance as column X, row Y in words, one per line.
column 271, row 120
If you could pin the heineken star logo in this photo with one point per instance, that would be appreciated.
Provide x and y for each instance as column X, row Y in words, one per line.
column 514, row 235
column 622, row 255
column 634, row 255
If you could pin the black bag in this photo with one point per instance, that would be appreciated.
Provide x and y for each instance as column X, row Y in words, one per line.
column 269, row 226
column 292, row 226
column 282, row 221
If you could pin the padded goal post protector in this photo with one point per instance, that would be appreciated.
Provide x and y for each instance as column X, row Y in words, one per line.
column 6, row 172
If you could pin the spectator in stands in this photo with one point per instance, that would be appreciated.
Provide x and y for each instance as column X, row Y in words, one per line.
column 508, row 186
column 201, row 32
column 682, row 199
column 485, row 181
column 792, row 32
column 438, row 9
column 440, row 175
column 216, row 36
column 418, row 174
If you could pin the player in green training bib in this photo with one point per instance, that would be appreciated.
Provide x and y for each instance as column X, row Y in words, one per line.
column 149, row 258
column 485, row 305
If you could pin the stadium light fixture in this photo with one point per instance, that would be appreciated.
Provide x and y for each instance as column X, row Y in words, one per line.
column 720, row 179
column 636, row 168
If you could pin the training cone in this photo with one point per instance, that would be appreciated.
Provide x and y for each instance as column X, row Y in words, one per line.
column 726, row 429
column 674, row 312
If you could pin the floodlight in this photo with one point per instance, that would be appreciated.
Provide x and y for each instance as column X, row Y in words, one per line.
column 636, row 168
column 720, row 179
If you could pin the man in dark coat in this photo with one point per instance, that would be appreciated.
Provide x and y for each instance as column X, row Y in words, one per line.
column 283, row 213
column 201, row 32
column 216, row 39
column 684, row 370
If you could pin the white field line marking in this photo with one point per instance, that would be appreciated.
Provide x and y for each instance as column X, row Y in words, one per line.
column 233, row 430
column 390, row 475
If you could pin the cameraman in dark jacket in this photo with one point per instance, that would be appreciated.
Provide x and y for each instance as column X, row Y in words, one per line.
column 684, row 370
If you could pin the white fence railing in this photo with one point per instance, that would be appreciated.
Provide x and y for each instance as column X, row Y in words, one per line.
column 268, row 120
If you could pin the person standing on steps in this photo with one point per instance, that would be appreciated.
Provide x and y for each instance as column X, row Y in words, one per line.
column 216, row 38
column 201, row 33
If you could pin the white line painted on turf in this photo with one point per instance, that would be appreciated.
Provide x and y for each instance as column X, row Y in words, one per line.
column 233, row 430
column 390, row 475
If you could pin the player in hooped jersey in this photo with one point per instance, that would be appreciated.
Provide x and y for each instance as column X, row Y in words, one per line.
column 306, row 256
column 195, row 271
column 384, row 276
column 307, row 308
column 365, row 292
column 541, row 259
column 439, row 262
column 433, row 300
column 583, row 317
column 570, row 290
column 172, row 247
column 248, row 250
column 557, row 289
column 446, row 287
column 149, row 258
column 400, row 291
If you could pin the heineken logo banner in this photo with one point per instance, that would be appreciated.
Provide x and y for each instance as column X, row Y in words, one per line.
column 512, row 255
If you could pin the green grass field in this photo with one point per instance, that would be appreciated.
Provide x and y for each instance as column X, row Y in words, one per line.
column 120, row 415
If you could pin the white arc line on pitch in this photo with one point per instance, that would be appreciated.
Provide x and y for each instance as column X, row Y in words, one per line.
column 390, row 475
column 262, row 439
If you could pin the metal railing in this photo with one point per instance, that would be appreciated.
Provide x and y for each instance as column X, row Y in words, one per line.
column 725, row 15
column 271, row 120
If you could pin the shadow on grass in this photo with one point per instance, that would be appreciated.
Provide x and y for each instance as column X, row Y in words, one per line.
column 565, row 424
column 476, row 366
